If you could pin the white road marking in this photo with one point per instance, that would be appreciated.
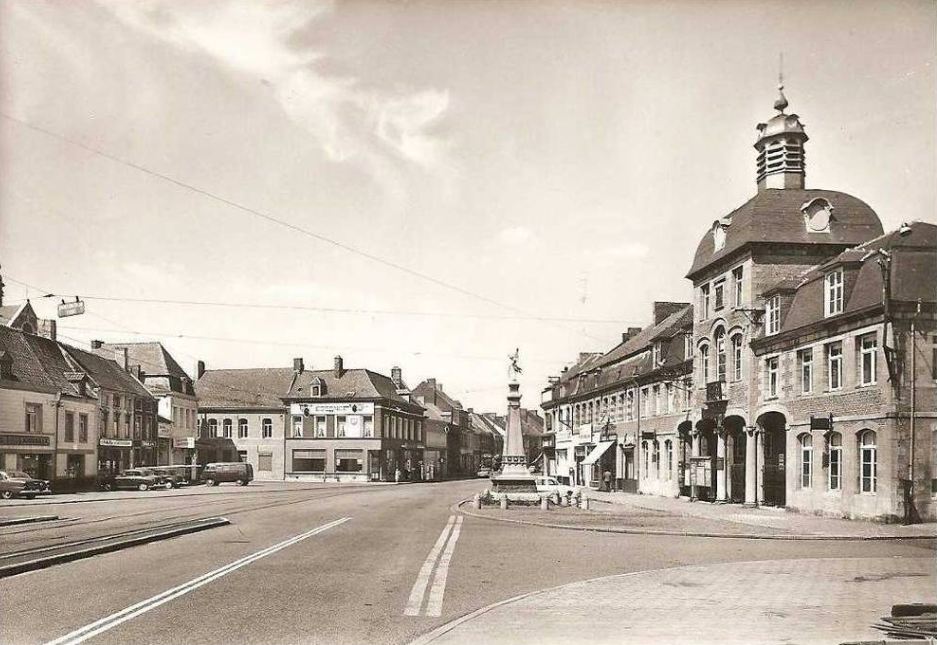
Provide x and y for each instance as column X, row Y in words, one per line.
column 419, row 587
column 109, row 622
column 438, row 590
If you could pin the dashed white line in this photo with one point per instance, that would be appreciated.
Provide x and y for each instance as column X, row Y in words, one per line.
column 438, row 590
column 109, row 622
column 415, row 603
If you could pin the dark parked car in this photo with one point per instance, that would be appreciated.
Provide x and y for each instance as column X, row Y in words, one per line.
column 137, row 479
column 17, row 483
column 240, row 473
column 175, row 476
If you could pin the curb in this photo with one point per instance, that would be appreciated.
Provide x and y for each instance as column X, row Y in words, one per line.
column 737, row 536
column 60, row 558
column 16, row 521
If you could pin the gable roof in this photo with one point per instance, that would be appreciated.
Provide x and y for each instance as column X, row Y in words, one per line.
column 11, row 314
column 257, row 387
column 352, row 384
column 106, row 372
column 775, row 216
column 37, row 363
column 151, row 356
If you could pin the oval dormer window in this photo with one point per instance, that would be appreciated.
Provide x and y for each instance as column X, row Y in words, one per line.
column 719, row 237
column 818, row 214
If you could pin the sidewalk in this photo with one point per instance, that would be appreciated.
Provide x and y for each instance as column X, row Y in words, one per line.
column 760, row 518
column 775, row 601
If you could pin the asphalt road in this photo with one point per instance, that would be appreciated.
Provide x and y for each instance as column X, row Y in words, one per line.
column 347, row 565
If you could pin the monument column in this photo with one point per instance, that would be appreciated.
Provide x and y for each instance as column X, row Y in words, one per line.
column 514, row 476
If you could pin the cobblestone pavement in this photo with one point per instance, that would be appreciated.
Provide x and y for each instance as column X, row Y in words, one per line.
column 774, row 601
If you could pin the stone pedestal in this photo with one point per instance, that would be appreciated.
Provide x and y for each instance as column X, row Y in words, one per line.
column 514, row 476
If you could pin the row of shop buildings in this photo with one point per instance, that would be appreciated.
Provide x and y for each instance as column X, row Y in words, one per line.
column 802, row 375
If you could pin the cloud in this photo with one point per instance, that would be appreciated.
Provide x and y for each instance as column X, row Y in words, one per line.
column 352, row 122
column 515, row 236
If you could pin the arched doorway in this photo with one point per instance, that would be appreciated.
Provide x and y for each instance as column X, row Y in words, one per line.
column 736, row 444
column 703, row 475
column 774, row 426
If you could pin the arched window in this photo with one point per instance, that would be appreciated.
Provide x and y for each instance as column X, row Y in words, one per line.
column 655, row 456
column 242, row 428
column 267, row 428
column 868, row 462
column 737, row 357
column 834, row 477
column 720, row 340
column 226, row 428
column 806, row 460
column 704, row 361
column 213, row 428
column 577, row 418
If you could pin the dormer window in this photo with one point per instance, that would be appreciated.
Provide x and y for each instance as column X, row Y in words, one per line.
column 833, row 293
column 773, row 315
column 719, row 234
column 818, row 213
column 317, row 387
column 658, row 353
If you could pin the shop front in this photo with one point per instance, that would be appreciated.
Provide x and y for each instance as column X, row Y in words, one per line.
column 114, row 455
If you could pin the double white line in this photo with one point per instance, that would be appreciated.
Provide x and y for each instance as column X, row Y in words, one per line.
column 434, row 605
column 109, row 622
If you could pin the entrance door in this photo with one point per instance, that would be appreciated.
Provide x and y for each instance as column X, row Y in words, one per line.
column 629, row 482
column 775, row 466
column 737, row 469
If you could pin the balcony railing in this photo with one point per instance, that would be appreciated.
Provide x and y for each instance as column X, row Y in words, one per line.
column 716, row 392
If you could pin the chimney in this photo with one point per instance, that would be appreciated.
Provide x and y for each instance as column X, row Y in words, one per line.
column 339, row 367
column 631, row 333
column 298, row 366
column 137, row 372
column 396, row 375
column 96, row 344
column 199, row 369
column 120, row 355
column 664, row 309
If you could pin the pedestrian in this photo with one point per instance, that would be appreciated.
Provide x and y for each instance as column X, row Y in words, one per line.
column 607, row 477
column 397, row 475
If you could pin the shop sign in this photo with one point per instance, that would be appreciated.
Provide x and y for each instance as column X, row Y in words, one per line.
column 73, row 308
column 164, row 432
column 585, row 431
column 648, row 435
column 116, row 443
column 183, row 442
column 148, row 444
column 821, row 423
column 297, row 409
column 24, row 439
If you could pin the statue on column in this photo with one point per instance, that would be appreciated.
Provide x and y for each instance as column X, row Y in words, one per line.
column 514, row 369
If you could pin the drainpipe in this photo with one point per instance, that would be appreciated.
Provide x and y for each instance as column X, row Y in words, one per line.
column 55, row 442
column 909, row 505
column 638, row 453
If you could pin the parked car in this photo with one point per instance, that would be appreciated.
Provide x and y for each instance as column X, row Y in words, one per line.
column 15, row 483
column 176, row 475
column 136, row 478
column 552, row 485
column 163, row 479
column 483, row 472
column 240, row 473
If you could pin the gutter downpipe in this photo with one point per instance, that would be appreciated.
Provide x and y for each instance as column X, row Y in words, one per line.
column 909, row 507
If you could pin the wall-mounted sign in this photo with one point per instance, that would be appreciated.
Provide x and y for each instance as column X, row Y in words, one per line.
column 331, row 408
column 73, row 308
column 821, row 423
column 183, row 442
column 24, row 439
column 116, row 443
column 585, row 431
column 148, row 444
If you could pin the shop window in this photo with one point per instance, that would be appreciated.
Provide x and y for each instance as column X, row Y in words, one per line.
column 806, row 460
column 308, row 461
column 868, row 462
column 266, row 431
column 75, row 466
column 349, row 461
column 868, row 348
column 69, row 427
column 265, row 462
column 242, row 428
column 833, row 293
column 835, row 474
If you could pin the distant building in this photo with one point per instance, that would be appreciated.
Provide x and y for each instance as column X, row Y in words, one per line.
column 531, row 430
column 461, row 444
column 24, row 318
column 173, row 388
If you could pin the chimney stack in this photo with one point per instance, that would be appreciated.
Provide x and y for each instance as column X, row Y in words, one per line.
column 199, row 369
column 631, row 333
column 120, row 355
column 396, row 375
column 339, row 367
column 137, row 371
column 298, row 366
column 96, row 344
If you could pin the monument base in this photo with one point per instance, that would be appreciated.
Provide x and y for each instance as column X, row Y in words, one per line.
column 514, row 480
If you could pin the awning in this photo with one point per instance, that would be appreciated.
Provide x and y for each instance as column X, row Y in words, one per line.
column 597, row 452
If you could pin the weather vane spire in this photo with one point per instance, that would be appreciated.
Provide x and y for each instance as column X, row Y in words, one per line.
column 781, row 103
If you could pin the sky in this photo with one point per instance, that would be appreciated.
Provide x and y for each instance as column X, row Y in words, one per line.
column 457, row 179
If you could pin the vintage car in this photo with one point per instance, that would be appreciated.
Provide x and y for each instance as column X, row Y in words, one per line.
column 15, row 483
column 176, row 476
column 552, row 485
column 241, row 473
column 137, row 478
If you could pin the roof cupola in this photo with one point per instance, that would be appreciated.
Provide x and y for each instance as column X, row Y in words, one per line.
column 780, row 147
